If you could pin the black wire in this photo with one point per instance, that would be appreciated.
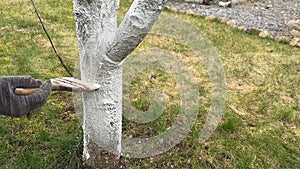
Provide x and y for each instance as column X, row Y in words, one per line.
column 50, row 40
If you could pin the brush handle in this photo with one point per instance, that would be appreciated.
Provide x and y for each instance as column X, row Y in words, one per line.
column 27, row 91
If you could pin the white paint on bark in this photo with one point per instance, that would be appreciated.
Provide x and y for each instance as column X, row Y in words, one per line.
column 136, row 24
column 102, row 48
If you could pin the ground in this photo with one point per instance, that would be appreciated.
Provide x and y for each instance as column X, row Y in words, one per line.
column 272, row 15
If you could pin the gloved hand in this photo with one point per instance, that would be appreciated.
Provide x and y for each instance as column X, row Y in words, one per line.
column 16, row 105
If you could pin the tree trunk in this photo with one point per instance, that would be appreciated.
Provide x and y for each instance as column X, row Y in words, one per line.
column 102, row 47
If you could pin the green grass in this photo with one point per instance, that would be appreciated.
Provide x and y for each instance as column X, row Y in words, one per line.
column 260, row 128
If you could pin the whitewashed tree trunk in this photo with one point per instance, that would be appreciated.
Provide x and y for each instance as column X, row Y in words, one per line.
column 102, row 47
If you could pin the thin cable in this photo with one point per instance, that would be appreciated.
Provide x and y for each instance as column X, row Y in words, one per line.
column 50, row 40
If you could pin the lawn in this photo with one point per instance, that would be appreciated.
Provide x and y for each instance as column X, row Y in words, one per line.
column 261, row 123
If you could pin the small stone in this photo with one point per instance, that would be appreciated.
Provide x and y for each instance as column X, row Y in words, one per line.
column 237, row 2
column 225, row 4
column 264, row 34
column 242, row 28
column 252, row 124
column 224, row 20
column 232, row 23
column 283, row 39
column 294, row 24
column 190, row 12
column 210, row 17
column 198, row 14
column 193, row 1
column 254, row 31
column 200, row 1
column 174, row 9
column 181, row 10
column 269, row 6
column 295, row 42
column 295, row 33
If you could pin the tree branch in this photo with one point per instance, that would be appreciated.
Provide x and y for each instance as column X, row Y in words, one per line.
column 136, row 24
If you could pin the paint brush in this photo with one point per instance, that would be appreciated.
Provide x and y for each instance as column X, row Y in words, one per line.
column 63, row 84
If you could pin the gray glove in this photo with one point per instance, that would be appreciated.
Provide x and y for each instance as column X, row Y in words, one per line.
column 18, row 106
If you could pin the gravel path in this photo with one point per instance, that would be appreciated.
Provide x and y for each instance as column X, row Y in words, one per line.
column 270, row 15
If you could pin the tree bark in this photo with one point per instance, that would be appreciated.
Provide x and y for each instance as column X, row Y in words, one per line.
column 102, row 48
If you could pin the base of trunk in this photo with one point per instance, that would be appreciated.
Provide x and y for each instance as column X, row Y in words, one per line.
column 100, row 158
